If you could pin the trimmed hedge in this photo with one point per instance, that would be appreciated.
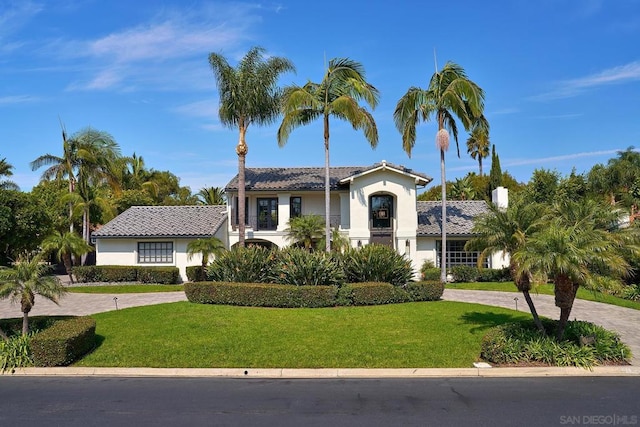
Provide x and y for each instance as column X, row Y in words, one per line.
column 196, row 273
column 127, row 273
column 64, row 342
column 260, row 295
column 428, row 290
column 372, row 293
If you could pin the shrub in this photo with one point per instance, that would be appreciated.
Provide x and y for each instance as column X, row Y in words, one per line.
column 86, row 273
column 432, row 273
column 464, row 273
column 251, row 264
column 428, row 290
column 371, row 293
column 296, row 266
column 260, row 295
column 64, row 342
column 377, row 263
column 494, row 275
column 15, row 353
column 196, row 273
column 520, row 342
column 631, row 292
column 161, row 275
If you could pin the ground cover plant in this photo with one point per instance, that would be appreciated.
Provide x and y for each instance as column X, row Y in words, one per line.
column 432, row 334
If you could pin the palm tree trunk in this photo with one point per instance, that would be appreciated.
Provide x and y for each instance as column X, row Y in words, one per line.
column 565, row 293
column 327, row 183
column 534, row 312
column 68, row 265
column 480, row 164
column 85, row 232
column 443, row 253
column 242, row 151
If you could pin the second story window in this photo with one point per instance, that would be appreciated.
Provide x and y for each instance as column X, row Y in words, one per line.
column 295, row 207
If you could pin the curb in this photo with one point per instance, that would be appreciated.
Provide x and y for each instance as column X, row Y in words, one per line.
column 285, row 373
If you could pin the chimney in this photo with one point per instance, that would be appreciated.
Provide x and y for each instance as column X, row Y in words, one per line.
column 500, row 197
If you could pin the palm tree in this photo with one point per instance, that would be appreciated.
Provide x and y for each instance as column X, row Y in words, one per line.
column 578, row 244
column 27, row 278
column 478, row 142
column 306, row 229
column 337, row 95
column 65, row 246
column 462, row 189
column 507, row 231
column 6, row 170
column 248, row 94
column 450, row 93
column 207, row 247
column 211, row 196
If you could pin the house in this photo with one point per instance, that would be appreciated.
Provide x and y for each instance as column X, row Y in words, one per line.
column 372, row 204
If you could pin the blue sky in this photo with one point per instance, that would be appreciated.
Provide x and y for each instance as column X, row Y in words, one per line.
column 561, row 77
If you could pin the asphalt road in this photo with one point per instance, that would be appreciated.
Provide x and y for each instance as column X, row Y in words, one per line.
column 92, row 401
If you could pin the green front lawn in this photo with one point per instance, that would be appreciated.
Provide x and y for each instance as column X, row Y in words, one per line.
column 584, row 294
column 433, row 334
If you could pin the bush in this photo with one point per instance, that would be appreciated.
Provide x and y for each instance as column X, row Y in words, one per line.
column 196, row 273
column 161, row 275
column 371, row 293
column 465, row 273
column 127, row 273
column 428, row 290
column 64, row 342
column 494, row 275
column 296, row 266
column 520, row 342
column 15, row 353
column 260, row 295
column 251, row 264
column 631, row 292
column 431, row 273
column 377, row 263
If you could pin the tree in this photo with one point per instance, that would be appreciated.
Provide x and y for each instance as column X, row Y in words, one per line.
column 478, row 142
column 338, row 95
column 65, row 246
column 507, row 231
column 578, row 244
column 450, row 94
column 206, row 247
column 248, row 94
column 462, row 189
column 6, row 170
column 26, row 279
column 306, row 229
column 211, row 196
column 495, row 174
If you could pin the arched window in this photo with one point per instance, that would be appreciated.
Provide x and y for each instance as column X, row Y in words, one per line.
column 381, row 210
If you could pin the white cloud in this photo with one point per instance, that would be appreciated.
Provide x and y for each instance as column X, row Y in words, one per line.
column 17, row 99
column 615, row 75
column 206, row 108
column 547, row 160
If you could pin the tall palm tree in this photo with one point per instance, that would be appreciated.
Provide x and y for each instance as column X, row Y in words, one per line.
column 6, row 170
column 211, row 196
column 306, row 229
column 206, row 247
column 27, row 278
column 343, row 86
column 478, row 142
column 450, row 94
column 248, row 94
column 507, row 231
column 577, row 245
column 65, row 246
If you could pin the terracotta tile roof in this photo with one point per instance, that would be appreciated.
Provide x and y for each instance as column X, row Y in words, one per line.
column 165, row 221
column 460, row 215
column 306, row 178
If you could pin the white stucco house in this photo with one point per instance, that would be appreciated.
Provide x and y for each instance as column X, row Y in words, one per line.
column 371, row 204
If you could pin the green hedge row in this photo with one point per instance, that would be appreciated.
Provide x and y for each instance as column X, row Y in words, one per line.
column 64, row 342
column 271, row 295
column 196, row 273
column 126, row 273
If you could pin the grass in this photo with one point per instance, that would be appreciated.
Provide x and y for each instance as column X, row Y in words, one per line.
column 547, row 289
column 125, row 289
column 433, row 334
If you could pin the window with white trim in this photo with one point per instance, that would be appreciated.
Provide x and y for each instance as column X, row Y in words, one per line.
column 155, row 252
